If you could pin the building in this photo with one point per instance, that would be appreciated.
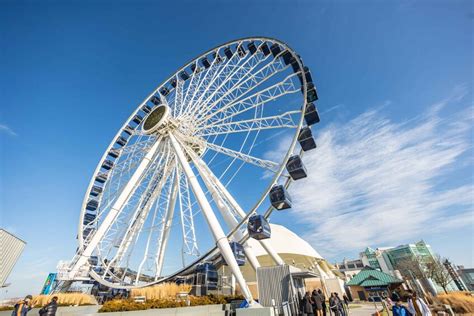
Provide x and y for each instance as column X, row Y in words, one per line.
column 467, row 275
column 11, row 248
column 349, row 268
column 370, row 282
column 402, row 262
column 300, row 255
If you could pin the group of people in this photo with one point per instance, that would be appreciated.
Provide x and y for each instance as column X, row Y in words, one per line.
column 416, row 306
column 23, row 307
column 314, row 303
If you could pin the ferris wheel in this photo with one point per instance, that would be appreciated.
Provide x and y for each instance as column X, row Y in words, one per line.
column 188, row 174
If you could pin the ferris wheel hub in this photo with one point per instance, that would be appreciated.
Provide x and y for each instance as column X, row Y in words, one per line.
column 156, row 120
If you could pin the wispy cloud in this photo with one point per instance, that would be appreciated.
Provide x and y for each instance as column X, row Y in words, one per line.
column 373, row 181
column 7, row 130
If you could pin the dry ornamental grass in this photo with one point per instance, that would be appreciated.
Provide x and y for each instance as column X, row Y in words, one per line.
column 460, row 302
column 161, row 291
column 65, row 299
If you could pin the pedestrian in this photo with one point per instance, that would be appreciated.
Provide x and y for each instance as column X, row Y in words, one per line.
column 23, row 307
column 416, row 305
column 50, row 308
column 334, row 304
column 317, row 303
column 307, row 305
column 399, row 310
column 323, row 301
column 340, row 305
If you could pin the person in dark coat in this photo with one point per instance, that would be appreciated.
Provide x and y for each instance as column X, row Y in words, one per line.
column 334, row 304
column 317, row 303
column 323, row 301
column 307, row 305
column 399, row 310
column 23, row 307
column 50, row 308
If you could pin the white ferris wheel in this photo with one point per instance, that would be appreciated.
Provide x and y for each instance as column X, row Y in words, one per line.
column 188, row 174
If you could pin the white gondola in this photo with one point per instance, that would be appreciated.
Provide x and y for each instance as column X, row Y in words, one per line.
column 96, row 190
column 275, row 49
column 107, row 164
column 164, row 91
column 101, row 177
column 311, row 95
column 279, row 198
column 205, row 62
column 114, row 152
column 155, row 100
column 121, row 141
column 89, row 218
column 146, row 109
column 296, row 168
column 258, row 227
column 252, row 48
column 129, row 130
column 217, row 58
column 184, row 75
column 264, row 49
column 311, row 114
column 137, row 119
column 92, row 205
column 241, row 51
column 228, row 52
column 306, row 140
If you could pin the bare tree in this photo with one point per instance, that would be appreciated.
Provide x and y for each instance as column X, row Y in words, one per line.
column 436, row 271
column 411, row 268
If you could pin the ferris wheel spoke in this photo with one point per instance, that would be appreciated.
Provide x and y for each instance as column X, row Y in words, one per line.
column 136, row 221
column 262, row 163
column 234, row 75
column 190, row 246
column 192, row 87
column 161, row 205
column 285, row 120
column 204, row 83
column 166, row 224
column 116, row 209
column 213, row 222
column 248, row 83
column 179, row 96
column 257, row 99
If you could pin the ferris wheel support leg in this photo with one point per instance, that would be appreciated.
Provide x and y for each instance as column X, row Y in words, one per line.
column 265, row 243
column 167, row 227
column 115, row 209
column 213, row 223
column 229, row 218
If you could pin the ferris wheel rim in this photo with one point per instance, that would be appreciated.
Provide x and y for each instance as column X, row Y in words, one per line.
column 276, row 176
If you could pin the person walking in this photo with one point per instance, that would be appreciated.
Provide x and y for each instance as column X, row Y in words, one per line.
column 340, row 305
column 50, row 308
column 317, row 303
column 23, row 307
column 399, row 310
column 323, row 301
column 307, row 305
column 416, row 305
column 334, row 305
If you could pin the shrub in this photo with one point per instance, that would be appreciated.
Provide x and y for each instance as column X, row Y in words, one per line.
column 121, row 305
column 460, row 302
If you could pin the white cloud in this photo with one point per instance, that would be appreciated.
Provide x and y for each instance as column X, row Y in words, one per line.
column 373, row 181
column 5, row 129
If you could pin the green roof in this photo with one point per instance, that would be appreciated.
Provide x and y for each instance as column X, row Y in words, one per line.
column 371, row 277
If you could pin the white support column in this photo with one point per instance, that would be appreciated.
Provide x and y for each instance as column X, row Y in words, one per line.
column 167, row 226
column 229, row 218
column 212, row 221
column 116, row 209
column 265, row 243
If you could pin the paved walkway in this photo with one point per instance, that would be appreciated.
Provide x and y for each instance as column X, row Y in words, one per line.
column 364, row 310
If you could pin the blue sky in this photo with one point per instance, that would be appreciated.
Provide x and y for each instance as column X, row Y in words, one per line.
column 401, row 71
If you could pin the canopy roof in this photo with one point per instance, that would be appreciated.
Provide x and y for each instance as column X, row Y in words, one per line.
column 372, row 277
